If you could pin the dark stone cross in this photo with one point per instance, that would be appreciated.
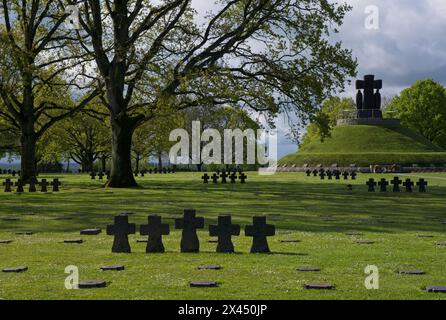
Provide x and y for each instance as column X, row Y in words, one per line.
column 150, row 171
column 408, row 184
column 422, row 184
column 19, row 185
column 337, row 174
column 205, row 178
column 308, row 172
column 383, row 185
column 242, row 177
column 155, row 230
column 189, row 224
column 56, row 184
column 353, row 175
column 14, row 173
column 44, row 185
column 224, row 230
column 396, row 182
column 223, row 177
column 100, row 175
column 120, row 230
column 322, row 175
column 369, row 103
column 329, row 175
column 371, row 184
column 233, row 177
column 259, row 230
column 315, row 172
column 8, row 184
column 93, row 175
column 108, row 175
column 32, row 184
column 214, row 178
column 346, row 175
column 136, row 173
column 142, row 173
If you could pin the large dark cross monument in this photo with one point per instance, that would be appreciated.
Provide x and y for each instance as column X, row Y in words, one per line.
column 120, row 230
column 369, row 102
column 189, row 224
column 224, row 230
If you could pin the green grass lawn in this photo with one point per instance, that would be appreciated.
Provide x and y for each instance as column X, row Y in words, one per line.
column 318, row 213
column 365, row 145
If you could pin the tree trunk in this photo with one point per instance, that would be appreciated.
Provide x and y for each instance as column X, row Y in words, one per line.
column 160, row 162
column 28, row 155
column 121, row 161
column 104, row 163
column 137, row 164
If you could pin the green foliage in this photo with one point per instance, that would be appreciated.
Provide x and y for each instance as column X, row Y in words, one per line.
column 332, row 110
column 422, row 107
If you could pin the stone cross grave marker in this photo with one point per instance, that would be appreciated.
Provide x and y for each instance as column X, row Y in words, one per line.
column 214, row 178
column 371, row 184
column 19, row 185
column 44, row 185
column 56, row 184
column 409, row 185
column 242, row 177
column 205, row 178
column 120, row 230
column 308, row 172
column 315, row 172
column 259, row 230
column 422, row 184
column 32, row 184
column 8, row 184
column 224, row 230
column 223, row 177
column 155, row 230
column 100, row 175
column 233, row 177
column 322, row 175
column 383, row 183
column 93, row 175
column 346, row 175
column 396, row 182
column 329, row 175
column 337, row 174
column 189, row 224
column 353, row 175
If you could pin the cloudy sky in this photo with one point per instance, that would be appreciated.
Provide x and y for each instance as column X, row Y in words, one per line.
column 409, row 44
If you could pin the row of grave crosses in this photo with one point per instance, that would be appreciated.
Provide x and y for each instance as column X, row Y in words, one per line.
column 189, row 223
column 396, row 183
column 11, row 172
column 224, row 177
column 33, row 182
column 331, row 174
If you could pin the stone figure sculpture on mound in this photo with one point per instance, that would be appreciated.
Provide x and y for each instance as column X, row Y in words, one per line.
column 369, row 103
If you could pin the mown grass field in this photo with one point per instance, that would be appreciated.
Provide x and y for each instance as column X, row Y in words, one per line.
column 318, row 213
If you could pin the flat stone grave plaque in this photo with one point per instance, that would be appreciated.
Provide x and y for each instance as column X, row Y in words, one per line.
column 203, row 284
column 24, row 233
column 289, row 241
column 78, row 241
column 10, row 219
column 91, row 232
column 353, row 233
column 5, row 241
column 412, row 272
column 365, row 242
column 113, row 268
column 306, row 269
column 319, row 286
column 15, row 270
column 436, row 289
column 210, row 267
column 441, row 244
column 425, row 236
column 92, row 284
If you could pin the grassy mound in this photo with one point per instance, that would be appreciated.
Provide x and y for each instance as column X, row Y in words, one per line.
column 365, row 145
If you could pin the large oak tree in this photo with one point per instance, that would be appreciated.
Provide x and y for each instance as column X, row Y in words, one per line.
column 267, row 55
column 35, row 61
